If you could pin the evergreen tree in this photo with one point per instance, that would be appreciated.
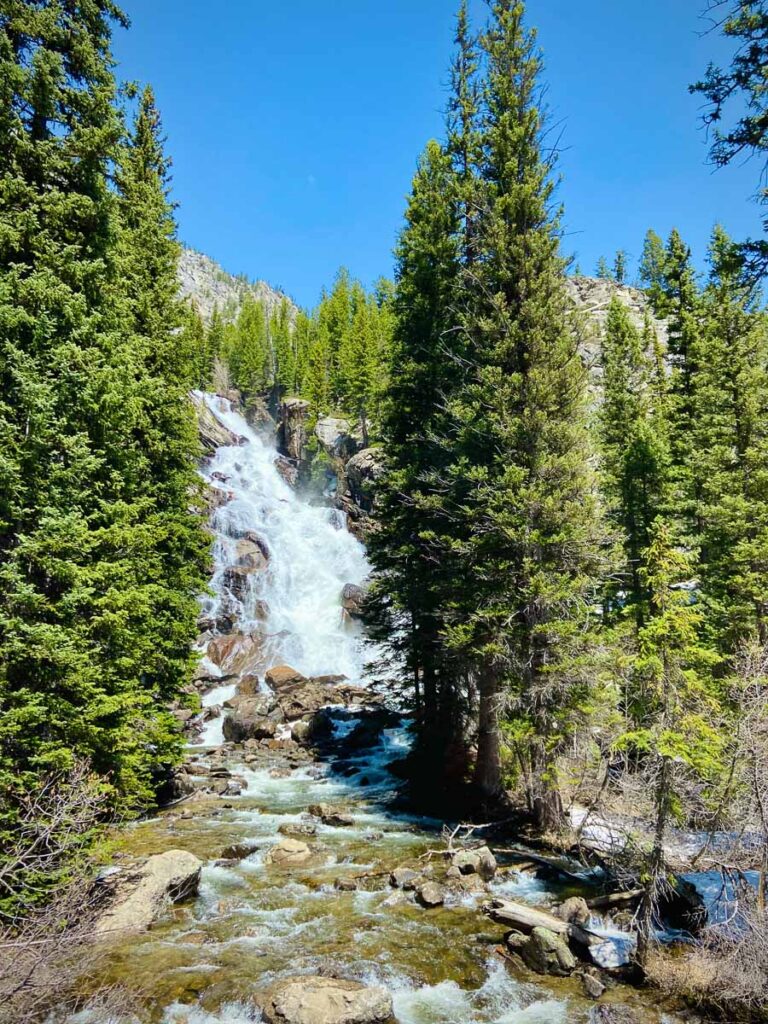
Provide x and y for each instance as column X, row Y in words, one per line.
column 603, row 271
column 528, row 504
column 282, row 347
column 652, row 271
column 620, row 267
column 730, row 439
column 634, row 447
column 249, row 353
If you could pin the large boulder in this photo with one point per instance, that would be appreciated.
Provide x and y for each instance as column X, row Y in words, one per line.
column 252, row 554
column 543, row 951
column 294, row 413
column 363, row 470
column 281, row 676
column 352, row 598
column 212, row 434
column 162, row 879
column 253, row 718
column 475, row 862
column 237, row 653
column 288, row 853
column 316, row 1000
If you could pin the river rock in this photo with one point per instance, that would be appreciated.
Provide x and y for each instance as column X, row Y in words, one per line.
column 573, row 909
column 345, row 885
column 592, row 985
column 547, row 953
column 430, row 895
column 316, row 1000
column 329, row 815
column 161, row 879
column 238, row 851
column 281, row 676
column 403, row 878
column 249, row 722
column 288, row 853
column 297, row 828
column 476, row 862
column 605, row 1014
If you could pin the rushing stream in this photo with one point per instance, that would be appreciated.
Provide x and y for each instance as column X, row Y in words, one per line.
column 254, row 922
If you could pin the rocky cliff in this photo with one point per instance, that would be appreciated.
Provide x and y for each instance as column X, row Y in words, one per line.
column 208, row 285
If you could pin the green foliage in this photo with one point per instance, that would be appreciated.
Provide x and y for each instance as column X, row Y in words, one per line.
column 100, row 557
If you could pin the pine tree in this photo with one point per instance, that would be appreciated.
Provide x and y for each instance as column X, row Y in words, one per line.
column 620, row 267
column 730, row 438
column 603, row 271
column 249, row 354
column 634, row 446
column 529, row 507
column 281, row 339
column 652, row 271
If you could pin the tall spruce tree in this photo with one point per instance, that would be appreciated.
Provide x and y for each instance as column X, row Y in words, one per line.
column 634, row 448
column 528, row 507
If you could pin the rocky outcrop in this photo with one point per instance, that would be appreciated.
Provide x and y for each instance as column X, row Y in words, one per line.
column 294, row 413
column 363, row 470
column 317, row 1000
column 141, row 897
column 208, row 286
column 336, row 438
column 212, row 434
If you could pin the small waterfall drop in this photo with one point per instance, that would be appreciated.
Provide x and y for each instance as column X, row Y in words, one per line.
column 296, row 601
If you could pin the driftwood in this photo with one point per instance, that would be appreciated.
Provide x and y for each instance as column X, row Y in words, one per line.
column 539, row 861
column 614, row 899
column 523, row 917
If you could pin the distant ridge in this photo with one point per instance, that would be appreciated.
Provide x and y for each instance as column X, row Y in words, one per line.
column 208, row 285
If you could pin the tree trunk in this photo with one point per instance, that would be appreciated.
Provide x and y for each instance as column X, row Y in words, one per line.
column 487, row 775
column 548, row 809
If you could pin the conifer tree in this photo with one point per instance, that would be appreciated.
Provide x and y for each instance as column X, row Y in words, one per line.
column 530, row 511
column 634, row 446
column 730, row 438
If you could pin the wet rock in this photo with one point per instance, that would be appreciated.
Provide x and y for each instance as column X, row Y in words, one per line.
column 252, row 555
column 297, row 828
column 287, row 470
column 592, row 986
column 212, row 434
column 281, row 676
column 238, row 851
column 547, row 953
column 164, row 878
column 248, row 722
column 237, row 579
column 573, row 909
column 476, row 862
column 330, row 815
column 402, row 878
column 352, row 598
column 605, row 1014
column 345, row 885
column 316, row 1000
column 288, row 853
column 237, row 653
column 430, row 895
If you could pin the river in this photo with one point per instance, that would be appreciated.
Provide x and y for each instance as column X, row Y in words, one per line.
column 253, row 922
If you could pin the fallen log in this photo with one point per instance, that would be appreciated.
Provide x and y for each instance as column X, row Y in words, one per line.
column 523, row 917
column 614, row 899
column 541, row 862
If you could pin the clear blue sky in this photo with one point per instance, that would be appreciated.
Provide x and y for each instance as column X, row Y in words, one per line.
column 294, row 127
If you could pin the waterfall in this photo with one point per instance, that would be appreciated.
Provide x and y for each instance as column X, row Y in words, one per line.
column 295, row 602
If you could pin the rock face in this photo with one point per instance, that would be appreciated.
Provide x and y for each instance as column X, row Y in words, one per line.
column 212, row 434
column 162, row 879
column 335, row 437
column 363, row 470
column 317, row 1000
column 294, row 413
column 207, row 285
column 237, row 653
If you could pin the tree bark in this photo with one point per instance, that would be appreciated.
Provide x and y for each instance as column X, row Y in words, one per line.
column 487, row 775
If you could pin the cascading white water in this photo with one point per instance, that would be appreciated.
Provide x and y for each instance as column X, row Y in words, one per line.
column 296, row 601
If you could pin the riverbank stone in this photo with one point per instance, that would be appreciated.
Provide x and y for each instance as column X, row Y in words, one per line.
column 162, row 879
column 288, row 853
column 317, row 1000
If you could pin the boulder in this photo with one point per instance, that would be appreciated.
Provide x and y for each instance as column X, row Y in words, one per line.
column 253, row 718
column 363, row 470
column 164, row 878
column 573, row 909
column 592, row 986
column 251, row 555
column 430, row 895
column 238, row 851
column 297, row 828
column 352, row 598
column 475, row 862
column 288, row 470
column 331, row 815
column 403, row 878
column 547, row 953
column 345, row 885
column 288, row 853
column 237, row 653
column 316, row 1000
column 212, row 434
column 281, row 676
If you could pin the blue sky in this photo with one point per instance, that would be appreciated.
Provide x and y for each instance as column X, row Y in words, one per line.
column 295, row 127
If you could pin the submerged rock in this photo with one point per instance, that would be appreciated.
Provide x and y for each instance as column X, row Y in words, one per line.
column 316, row 1000
column 161, row 879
